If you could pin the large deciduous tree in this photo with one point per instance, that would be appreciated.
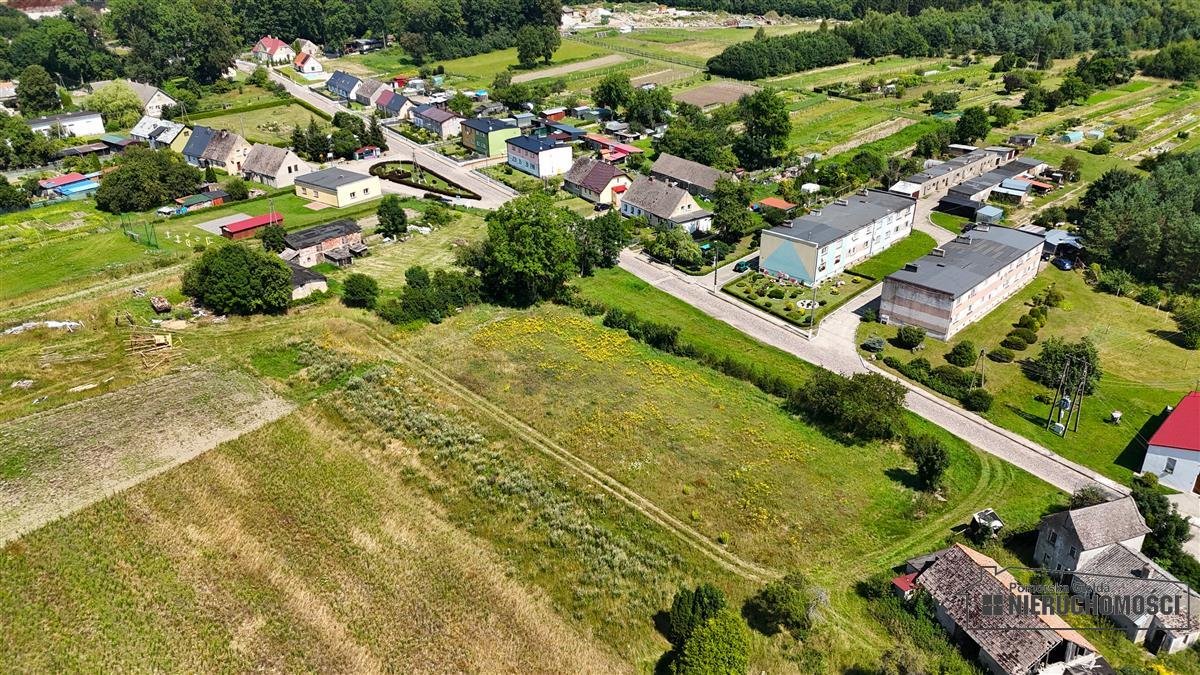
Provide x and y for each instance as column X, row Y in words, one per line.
column 238, row 279
column 145, row 179
column 36, row 92
column 117, row 103
column 766, row 128
column 171, row 38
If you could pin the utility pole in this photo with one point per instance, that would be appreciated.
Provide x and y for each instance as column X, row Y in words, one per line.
column 1079, row 397
column 814, row 309
column 1058, row 393
column 979, row 367
column 714, row 272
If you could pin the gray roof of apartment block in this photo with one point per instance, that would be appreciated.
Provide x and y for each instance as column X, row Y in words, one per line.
column 968, row 260
column 842, row 217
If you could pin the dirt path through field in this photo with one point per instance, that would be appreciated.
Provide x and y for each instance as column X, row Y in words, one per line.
column 56, row 462
column 600, row 62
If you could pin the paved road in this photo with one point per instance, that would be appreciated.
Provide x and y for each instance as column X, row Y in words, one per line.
column 834, row 348
column 492, row 193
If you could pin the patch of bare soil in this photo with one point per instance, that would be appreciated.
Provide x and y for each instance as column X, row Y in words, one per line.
column 58, row 461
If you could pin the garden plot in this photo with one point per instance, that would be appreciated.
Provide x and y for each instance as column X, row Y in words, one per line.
column 716, row 93
column 58, row 461
column 559, row 71
column 435, row 250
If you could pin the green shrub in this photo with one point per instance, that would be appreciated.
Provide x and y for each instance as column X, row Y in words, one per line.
column 360, row 290
column 1014, row 343
column 790, row 603
column 1150, row 296
column 977, row 400
column 1117, row 282
column 1029, row 336
column 1002, row 355
column 720, row 645
column 692, row 608
column 1028, row 321
column 870, row 316
column 963, row 354
column 920, row 363
column 931, row 457
column 954, row 376
column 776, row 293
column 910, row 337
column 874, row 344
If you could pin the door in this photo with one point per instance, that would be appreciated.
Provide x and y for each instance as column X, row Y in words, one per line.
column 1196, row 485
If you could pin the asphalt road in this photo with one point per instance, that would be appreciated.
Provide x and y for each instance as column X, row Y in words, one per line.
column 492, row 193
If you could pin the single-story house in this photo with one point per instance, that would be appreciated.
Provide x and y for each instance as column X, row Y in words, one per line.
column 696, row 178
column 159, row 133
column 369, row 91
column 153, row 99
column 962, row 582
column 308, row 47
column 273, row 166
column 439, row 121
column 1023, row 140
column 393, row 105
column 338, row 187
column 486, row 135
column 338, row 242
column 664, row 205
column 538, row 156
column 305, row 282
column 307, row 64
column 248, row 227
column 342, row 84
column 270, row 49
column 83, row 123
column 774, row 204
column 1173, row 453
column 596, row 181
column 225, row 150
column 611, row 150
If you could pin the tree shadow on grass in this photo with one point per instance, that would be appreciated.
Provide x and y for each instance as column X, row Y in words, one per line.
column 1174, row 337
column 1135, row 450
column 906, row 477
column 1037, row 420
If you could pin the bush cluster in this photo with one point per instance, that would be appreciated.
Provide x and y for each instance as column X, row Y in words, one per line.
column 946, row 379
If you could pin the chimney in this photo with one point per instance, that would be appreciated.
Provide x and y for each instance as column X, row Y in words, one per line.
column 963, row 239
column 910, row 267
column 1146, row 571
column 938, row 252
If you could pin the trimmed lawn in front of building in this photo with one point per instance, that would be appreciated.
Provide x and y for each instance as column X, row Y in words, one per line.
column 895, row 257
column 1144, row 371
column 948, row 222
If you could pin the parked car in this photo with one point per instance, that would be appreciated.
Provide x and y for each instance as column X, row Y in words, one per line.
column 1063, row 264
column 741, row 266
column 603, row 207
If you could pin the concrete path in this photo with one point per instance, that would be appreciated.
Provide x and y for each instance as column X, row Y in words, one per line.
column 834, row 348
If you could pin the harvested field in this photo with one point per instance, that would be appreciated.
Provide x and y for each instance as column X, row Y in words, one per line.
column 293, row 548
column 58, row 461
column 575, row 67
column 716, row 93
column 661, row 77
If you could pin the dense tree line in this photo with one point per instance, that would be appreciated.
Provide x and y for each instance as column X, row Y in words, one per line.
column 1037, row 32
column 756, row 59
column 425, row 29
column 1178, row 61
column 1147, row 226
column 833, row 9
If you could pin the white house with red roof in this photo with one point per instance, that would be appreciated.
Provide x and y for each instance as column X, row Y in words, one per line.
column 307, row 64
column 1173, row 453
column 271, row 49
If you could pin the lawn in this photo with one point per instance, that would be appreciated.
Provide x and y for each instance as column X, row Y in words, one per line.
column 692, row 45
column 905, row 251
column 241, row 95
column 948, row 222
column 1143, row 371
column 267, row 125
column 832, row 122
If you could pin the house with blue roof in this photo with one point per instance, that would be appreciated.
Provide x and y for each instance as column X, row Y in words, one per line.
column 193, row 150
column 343, row 84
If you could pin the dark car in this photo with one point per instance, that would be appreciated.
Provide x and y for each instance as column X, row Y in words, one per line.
column 741, row 266
column 602, row 207
column 1063, row 264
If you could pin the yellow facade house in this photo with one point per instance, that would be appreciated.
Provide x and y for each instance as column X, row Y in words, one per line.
column 338, row 187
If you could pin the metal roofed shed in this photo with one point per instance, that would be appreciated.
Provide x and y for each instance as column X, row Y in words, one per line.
column 989, row 215
column 314, row 236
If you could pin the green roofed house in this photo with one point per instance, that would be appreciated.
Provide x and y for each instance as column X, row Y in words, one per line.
column 485, row 136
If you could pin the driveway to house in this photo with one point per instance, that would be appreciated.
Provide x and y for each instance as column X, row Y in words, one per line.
column 834, row 348
column 492, row 194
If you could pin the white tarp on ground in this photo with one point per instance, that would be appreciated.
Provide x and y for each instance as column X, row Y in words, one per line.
column 70, row 326
column 214, row 226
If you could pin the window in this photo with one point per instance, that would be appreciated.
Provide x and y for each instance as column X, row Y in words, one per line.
column 366, row 191
column 1170, row 465
column 1053, row 537
column 1072, row 554
column 353, row 195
